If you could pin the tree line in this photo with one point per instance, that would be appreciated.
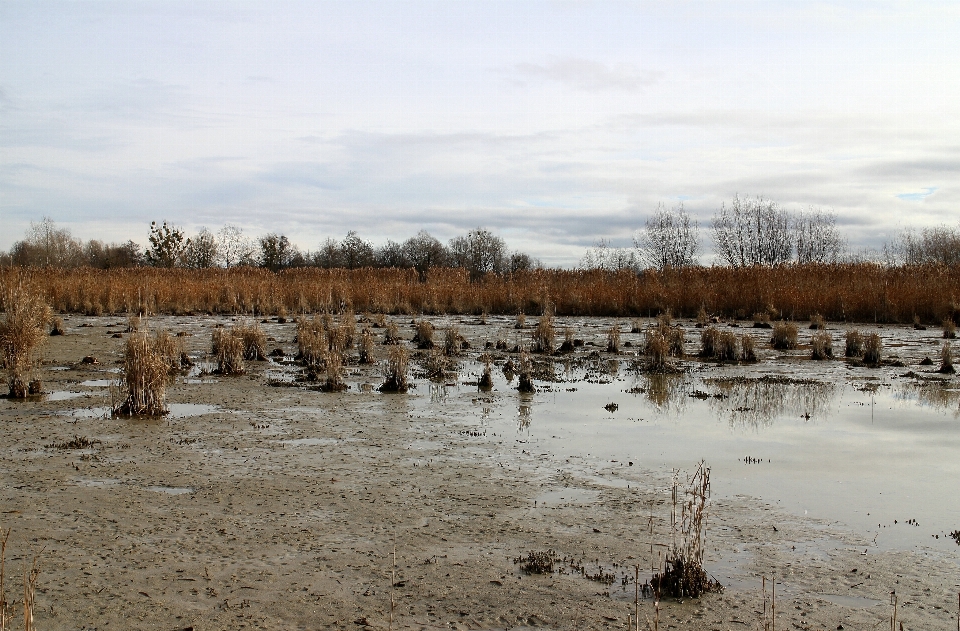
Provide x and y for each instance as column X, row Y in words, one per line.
column 479, row 251
column 746, row 232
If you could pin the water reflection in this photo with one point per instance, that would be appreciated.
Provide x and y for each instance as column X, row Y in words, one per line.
column 613, row 367
column 758, row 402
column 524, row 416
column 936, row 394
column 667, row 392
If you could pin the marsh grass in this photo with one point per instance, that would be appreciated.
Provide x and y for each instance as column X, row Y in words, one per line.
column 709, row 339
column 727, row 347
column 525, row 373
column 656, row 349
column 392, row 333
column 747, row 351
column 821, row 345
column 543, row 335
column 784, row 336
column 56, row 326
column 143, row 387
column 486, row 377
column 227, row 349
column 683, row 575
column 946, row 360
column 817, row 323
column 636, row 325
column 949, row 329
column 423, row 337
column 854, row 344
column 521, row 321
column 334, row 372
column 254, row 341
column 395, row 370
column 170, row 349
column 613, row 338
column 312, row 342
column 366, row 347
column 452, row 341
column 872, row 348
column 703, row 319
column 567, row 346
column 761, row 320
column 22, row 332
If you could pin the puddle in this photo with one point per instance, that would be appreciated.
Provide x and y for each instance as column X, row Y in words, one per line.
column 851, row 602
column 195, row 382
column 63, row 395
column 308, row 442
column 98, row 482
column 98, row 383
column 170, row 490
column 181, row 410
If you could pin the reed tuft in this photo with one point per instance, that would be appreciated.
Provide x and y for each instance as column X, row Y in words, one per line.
column 854, row 344
column 395, row 370
column 784, row 336
column 821, row 345
column 22, row 332
column 872, row 347
column 145, row 371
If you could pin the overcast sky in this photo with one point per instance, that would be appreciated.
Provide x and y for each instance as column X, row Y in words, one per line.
column 553, row 124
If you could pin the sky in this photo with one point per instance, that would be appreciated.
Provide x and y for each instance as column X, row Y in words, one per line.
column 552, row 124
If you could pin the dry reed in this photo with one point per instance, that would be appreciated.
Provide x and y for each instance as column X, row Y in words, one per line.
column 227, row 348
column 521, row 321
column 312, row 342
column 144, row 384
column 727, row 347
column 854, row 344
column 543, row 335
column 21, row 334
column 872, row 347
column 949, row 329
column 747, row 352
column 821, row 345
column 423, row 338
column 817, row 323
column 395, row 370
column 613, row 339
column 709, row 338
column 486, row 378
column 784, row 336
column 452, row 341
column 656, row 349
column 946, row 360
column 525, row 372
column 568, row 341
column 392, row 334
column 703, row 319
column 366, row 347
column 334, row 372
column 56, row 326
column 254, row 341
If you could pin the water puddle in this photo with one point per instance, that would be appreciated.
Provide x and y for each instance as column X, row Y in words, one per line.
column 98, row 482
column 182, row 410
column 63, row 395
column 850, row 602
column 98, row 383
column 568, row 495
column 97, row 412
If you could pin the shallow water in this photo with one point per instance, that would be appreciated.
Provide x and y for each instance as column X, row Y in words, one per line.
column 861, row 448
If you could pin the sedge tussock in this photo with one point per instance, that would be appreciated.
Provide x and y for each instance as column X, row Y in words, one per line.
column 395, row 370
column 143, row 388
column 821, row 345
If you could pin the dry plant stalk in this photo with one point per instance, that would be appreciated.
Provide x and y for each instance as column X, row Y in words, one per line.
column 949, row 329
column 21, row 333
column 392, row 334
column 727, row 347
column 311, row 342
column 423, row 338
column 821, row 345
column 452, row 341
column 395, row 370
column 702, row 317
column 435, row 363
column 334, row 372
column 29, row 593
column 613, row 338
column 747, row 352
column 227, row 348
column 784, row 336
column 854, row 344
column 525, row 373
column 56, row 326
column 946, row 360
column 543, row 335
column 486, row 379
column 872, row 348
column 254, row 341
column 683, row 575
column 709, row 338
column 366, row 347
column 144, row 382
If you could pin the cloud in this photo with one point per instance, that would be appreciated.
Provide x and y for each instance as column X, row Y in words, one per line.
column 585, row 74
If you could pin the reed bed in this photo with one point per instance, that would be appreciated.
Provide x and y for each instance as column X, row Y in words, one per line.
column 22, row 332
column 227, row 348
column 840, row 293
column 821, row 345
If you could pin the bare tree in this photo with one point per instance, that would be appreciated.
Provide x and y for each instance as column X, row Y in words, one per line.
column 355, row 252
column 234, row 248
column 603, row 256
column 480, row 251
column 201, row 251
column 668, row 239
column 425, row 251
column 752, row 232
column 48, row 246
column 939, row 245
column 816, row 237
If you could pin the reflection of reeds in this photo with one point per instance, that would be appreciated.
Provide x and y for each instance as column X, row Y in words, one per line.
column 757, row 402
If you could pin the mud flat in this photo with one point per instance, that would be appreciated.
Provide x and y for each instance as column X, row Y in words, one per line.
column 259, row 502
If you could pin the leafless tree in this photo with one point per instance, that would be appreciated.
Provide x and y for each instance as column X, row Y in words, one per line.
column 752, row 232
column 201, row 251
column 668, row 239
column 603, row 256
column 479, row 251
column 816, row 237
column 939, row 245
column 234, row 248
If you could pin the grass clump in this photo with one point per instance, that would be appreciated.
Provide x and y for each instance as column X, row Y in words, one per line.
column 521, row 321
column 656, row 349
column 817, row 323
column 486, row 378
column 254, row 341
column 311, row 342
column 949, row 329
column 727, row 347
column 761, row 320
column 613, row 339
column 946, row 360
column 543, row 335
column 334, row 373
column 56, row 326
column 395, row 370
column 709, row 338
column 821, row 345
column 227, row 349
column 366, row 347
column 872, row 347
column 703, row 318
column 452, row 341
column 854, row 344
column 784, row 336
column 525, row 373
column 747, row 352
column 145, row 372
column 568, row 344
column 21, row 334
column 423, row 338
column 392, row 333
column 435, row 363
column 683, row 575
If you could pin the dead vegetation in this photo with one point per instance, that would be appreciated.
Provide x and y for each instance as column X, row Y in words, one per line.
column 227, row 349
column 142, row 389
column 543, row 335
column 22, row 332
column 854, row 344
column 821, row 345
column 395, row 370
column 872, row 347
column 784, row 336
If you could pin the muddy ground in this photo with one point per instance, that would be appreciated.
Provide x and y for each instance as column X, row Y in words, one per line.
column 281, row 508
